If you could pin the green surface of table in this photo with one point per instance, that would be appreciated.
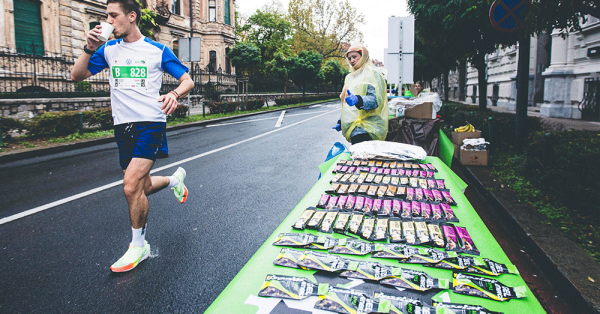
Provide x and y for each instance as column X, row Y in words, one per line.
column 250, row 278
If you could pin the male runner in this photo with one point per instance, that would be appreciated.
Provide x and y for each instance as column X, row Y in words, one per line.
column 136, row 68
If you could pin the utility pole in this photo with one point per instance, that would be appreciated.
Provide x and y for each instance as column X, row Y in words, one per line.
column 522, row 90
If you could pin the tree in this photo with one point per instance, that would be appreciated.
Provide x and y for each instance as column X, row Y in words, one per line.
column 245, row 57
column 279, row 67
column 334, row 73
column 270, row 32
column 324, row 25
column 304, row 68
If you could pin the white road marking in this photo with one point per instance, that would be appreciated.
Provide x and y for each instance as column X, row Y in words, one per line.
column 116, row 183
column 316, row 106
column 238, row 122
column 278, row 124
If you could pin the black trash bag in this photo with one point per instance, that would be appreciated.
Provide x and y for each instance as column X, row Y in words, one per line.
column 419, row 132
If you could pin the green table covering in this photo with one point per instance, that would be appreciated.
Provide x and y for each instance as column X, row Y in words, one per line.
column 241, row 293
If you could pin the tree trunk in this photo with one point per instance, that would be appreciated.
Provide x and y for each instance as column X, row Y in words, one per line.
column 482, row 81
column 462, row 80
column 522, row 91
column 446, row 90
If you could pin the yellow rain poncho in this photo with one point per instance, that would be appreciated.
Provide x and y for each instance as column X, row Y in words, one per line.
column 364, row 73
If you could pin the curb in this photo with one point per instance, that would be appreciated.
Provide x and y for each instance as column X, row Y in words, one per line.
column 566, row 264
column 44, row 151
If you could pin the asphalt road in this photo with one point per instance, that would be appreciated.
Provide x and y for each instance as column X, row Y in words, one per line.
column 244, row 177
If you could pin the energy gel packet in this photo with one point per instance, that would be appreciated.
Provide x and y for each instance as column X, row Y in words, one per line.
column 352, row 247
column 356, row 163
column 364, row 188
column 436, row 213
column 323, row 200
column 342, row 221
column 304, row 218
column 381, row 230
column 431, row 167
column 369, row 271
column 429, row 256
column 373, row 190
column 316, row 219
column 457, row 263
column 378, row 163
column 422, row 232
column 418, row 194
column 394, row 251
column 414, row 182
column 359, row 203
column 371, row 163
column 423, row 167
column 350, row 202
column 450, row 217
column 485, row 266
column 370, row 177
column 344, row 169
column 401, row 172
column 425, row 211
column 378, row 178
column 423, row 183
column 401, row 192
column 451, row 239
column 410, row 194
column 408, row 231
column 394, row 172
column 351, row 169
column 381, row 190
column 404, row 305
column 337, row 178
column 343, row 189
column 395, row 180
column 288, row 258
column 386, row 179
column 353, row 188
column 391, row 190
column 437, row 196
column 288, row 287
column 353, row 178
column 368, row 226
column 350, row 302
column 333, row 187
column 385, row 207
column 361, row 177
column 404, row 180
column 447, row 198
column 436, row 235
column 332, row 201
column 355, row 222
column 428, row 195
column 322, row 261
column 393, row 164
column 406, row 212
column 486, row 288
column 415, row 209
column 440, row 184
column 451, row 308
column 368, row 207
column 396, row 207
column 423, row 174
column 345, row 177
column 386, row 164
column 431, row 184
column 327, row 224
column 322, row 243
column 415, row 280
column 465, row 241
column 396, row 230
column 294, row 239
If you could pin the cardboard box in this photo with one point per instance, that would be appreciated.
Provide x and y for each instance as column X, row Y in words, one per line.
column 458, row 137
column 422, row 111
column 474, row 157
column 456, row 151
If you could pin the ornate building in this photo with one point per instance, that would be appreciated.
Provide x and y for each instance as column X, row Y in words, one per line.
column 58, row 27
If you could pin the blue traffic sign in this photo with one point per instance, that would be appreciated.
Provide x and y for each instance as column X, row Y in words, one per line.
column 507, row 15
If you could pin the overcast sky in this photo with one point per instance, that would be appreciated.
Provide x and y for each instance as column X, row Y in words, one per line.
column 376, row 14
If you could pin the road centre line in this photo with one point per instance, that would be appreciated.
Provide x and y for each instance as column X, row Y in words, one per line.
column 116, row 183
column 278, row 124
column 245, row 121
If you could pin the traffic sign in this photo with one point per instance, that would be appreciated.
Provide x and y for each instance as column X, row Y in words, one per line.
column 507, row 15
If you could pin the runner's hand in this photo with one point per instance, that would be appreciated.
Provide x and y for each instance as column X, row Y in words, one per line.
column 92, row 38
column 169, row 103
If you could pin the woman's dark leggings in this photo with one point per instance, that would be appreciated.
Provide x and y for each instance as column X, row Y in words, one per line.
column 360, row 138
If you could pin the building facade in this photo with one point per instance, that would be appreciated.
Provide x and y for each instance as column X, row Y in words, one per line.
column 58, row 27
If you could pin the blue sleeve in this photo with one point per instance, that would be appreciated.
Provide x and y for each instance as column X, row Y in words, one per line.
column 370, row 100
column 97, row 61
column 171, row 64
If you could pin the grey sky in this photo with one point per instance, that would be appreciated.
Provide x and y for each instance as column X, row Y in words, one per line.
column 376, row 15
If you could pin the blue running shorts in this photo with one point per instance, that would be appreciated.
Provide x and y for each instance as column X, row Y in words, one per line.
column 141, row 140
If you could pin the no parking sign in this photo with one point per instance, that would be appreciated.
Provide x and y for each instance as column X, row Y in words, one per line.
column 507, row 15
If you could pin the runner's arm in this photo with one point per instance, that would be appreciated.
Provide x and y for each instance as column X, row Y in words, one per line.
column 169, row 100
column 80, row 70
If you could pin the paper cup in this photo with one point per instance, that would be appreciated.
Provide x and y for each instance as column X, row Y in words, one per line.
column 106, row 29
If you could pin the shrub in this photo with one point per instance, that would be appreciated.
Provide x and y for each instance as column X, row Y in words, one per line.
column 253, row 104
column 101, row 118
column 10, row 124
column 181, row 111
column 83, row 86
column 55, row 123
column 215, row 107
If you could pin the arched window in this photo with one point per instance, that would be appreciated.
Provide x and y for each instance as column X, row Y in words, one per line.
column 28, row 27
column 176, row 7
column 212, row 65
column 212, row 10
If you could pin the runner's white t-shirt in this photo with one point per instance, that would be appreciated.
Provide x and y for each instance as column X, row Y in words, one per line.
column 136, row 71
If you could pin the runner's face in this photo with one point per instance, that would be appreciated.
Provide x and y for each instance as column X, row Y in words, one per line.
column 353, row 57
column 121, row 21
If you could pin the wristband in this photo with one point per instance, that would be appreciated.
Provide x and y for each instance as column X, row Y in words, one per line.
column 175, row 93
column 86, row 50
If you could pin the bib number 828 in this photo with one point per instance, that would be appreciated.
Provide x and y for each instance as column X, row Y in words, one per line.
column 129, row 72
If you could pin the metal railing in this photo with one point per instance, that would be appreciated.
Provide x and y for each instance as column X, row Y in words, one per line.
column 589, row 106
column 49, row 75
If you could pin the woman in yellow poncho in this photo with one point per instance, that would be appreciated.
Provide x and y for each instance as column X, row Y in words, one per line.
column 364, row 99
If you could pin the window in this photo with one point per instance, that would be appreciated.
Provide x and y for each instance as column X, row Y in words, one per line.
column 176, row 47
column 93, row 24
column 212, row 65
column 227, row 17
column 212, row 11
column 227, row 61
column 28, row 27
column 175, row 7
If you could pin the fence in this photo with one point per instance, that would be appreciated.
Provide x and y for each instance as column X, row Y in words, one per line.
column 589, row 106
column 49, row 75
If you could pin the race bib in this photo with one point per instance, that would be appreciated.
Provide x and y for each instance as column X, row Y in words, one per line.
column 129, row 73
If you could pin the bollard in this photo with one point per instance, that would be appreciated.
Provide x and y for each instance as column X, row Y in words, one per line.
column 80, row 122
column 490, row 133
column 0, row 132
column 203, row 112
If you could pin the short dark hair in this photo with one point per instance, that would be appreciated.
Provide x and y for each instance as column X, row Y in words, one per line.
column 129, row 6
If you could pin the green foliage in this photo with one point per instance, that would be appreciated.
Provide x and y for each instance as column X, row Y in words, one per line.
column 83, row 86
column 333, row 72
column 147, row 23
column 67, row 122
column 305, row 67
column 181, row 111
column 10, row 124
column 270, row 32
column 245, row 57
column 211, row 92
